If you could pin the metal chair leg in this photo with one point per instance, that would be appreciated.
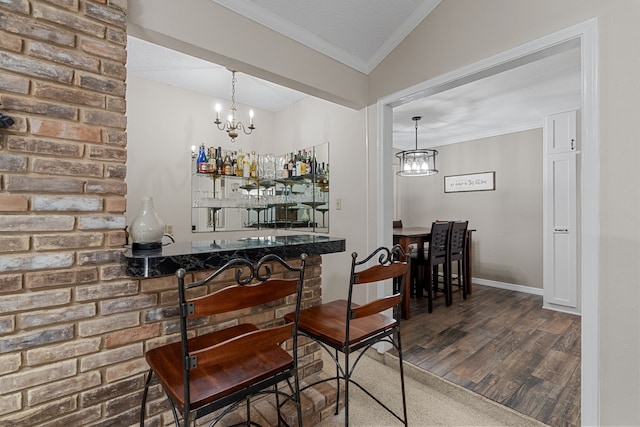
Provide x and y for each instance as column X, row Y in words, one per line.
column 404, row 396
column 337, row 384
column 249, row 412
column 144, row 397
column 347, row 379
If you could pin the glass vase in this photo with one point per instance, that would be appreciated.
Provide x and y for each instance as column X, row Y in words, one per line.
column 147, row 228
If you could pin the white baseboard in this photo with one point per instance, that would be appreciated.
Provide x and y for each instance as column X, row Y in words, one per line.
column 561, row 309
column 508, row 286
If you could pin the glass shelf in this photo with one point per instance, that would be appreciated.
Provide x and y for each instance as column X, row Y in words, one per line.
column 230, row 203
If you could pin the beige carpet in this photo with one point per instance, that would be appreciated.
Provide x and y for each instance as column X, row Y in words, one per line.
column 431, row 401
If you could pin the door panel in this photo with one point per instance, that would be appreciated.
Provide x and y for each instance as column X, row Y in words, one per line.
column 560, row 221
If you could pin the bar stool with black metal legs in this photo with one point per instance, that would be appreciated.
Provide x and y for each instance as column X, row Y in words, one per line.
column 346, row 327
column 208, row 370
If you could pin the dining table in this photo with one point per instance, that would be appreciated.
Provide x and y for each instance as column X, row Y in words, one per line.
column 405, row 236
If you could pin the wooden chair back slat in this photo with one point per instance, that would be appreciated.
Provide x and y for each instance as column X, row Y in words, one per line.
column 238, row 297
column 238, row 347
column 376, row 306
column 377, row 273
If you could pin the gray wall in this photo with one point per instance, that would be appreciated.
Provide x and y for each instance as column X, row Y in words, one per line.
column 507, row 246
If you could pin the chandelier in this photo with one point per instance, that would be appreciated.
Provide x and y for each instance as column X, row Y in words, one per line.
column 232, row 126
column 417, row 162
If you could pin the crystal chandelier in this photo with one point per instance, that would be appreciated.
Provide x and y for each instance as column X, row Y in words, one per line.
column 418, row 162
column 232, row 126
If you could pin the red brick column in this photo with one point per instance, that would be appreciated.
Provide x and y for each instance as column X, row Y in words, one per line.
column 63, row 296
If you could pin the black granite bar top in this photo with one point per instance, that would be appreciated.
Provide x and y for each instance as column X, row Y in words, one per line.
column 209, row 254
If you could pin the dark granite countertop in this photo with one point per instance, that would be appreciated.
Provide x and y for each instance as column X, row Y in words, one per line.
column 209, row 254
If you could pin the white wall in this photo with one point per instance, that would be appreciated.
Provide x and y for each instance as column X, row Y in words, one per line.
column 507, row 243
column 314, row 121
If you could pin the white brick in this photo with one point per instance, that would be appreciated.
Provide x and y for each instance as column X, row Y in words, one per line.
column 107, row 324
column 109, row 222
column 52, row 353
column 66, row 387
column 47, row 317
column 63, row 204
column 10, row 403
column 32, row 377
column 34, row 300
column 106, row 290
column 109, row 357
column 10, row 363
column 31, row 223
column 36, row 261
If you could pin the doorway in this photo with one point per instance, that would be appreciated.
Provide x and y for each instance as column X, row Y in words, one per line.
column 586, row 34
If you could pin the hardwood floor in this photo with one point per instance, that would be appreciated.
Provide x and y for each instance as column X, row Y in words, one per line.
column 504, row 346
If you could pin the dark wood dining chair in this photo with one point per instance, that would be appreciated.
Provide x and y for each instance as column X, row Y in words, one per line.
column 457, row 255
column 219, row 370
column 426, row 265
column 346, row 327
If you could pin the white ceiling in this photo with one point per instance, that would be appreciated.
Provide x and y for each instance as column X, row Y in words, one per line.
column 360, row 33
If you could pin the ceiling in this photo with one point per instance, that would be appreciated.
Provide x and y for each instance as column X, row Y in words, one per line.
column 507, row 99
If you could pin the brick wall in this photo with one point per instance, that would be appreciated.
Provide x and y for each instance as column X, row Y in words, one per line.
column 73, row 327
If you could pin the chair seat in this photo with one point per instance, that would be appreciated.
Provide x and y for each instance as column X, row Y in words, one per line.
column 327, row 322
column 219, row 380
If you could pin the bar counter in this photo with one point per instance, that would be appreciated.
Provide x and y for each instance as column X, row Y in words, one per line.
column 209, row 254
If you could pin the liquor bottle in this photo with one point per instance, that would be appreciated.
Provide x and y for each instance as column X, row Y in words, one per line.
column 285, row 169
column 202, row 160
column 246, row 165
column 253, row 171
column 227, row 167
column 292, row 166
column 234, row 161
column 219, row 161
column 298, row 164
column 240, row 163
column 212, row 161
column 198, row 157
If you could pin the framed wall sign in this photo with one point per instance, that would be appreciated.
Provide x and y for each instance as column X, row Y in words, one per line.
column 484, row 181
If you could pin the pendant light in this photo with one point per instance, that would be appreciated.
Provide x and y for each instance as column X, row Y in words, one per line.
column 417, row 162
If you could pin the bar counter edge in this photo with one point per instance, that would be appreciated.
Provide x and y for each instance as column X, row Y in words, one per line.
column 210, row 254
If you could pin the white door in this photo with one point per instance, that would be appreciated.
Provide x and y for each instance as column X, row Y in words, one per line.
column 561, row 289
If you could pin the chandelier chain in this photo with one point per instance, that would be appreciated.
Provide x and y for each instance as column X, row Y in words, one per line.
column 233, row 90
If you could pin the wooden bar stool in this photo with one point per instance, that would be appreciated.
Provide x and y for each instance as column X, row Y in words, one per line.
column 346, row 327
column 205, row 372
